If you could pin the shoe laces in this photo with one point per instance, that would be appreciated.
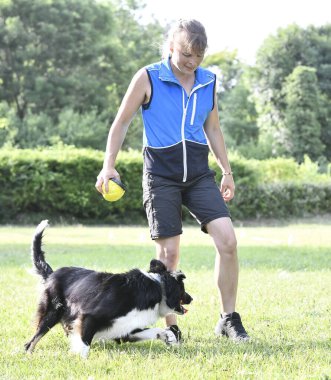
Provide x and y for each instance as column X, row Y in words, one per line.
column 236, row 324
column 175, row 329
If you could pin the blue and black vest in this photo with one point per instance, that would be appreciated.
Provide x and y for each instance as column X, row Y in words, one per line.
column 175, row 144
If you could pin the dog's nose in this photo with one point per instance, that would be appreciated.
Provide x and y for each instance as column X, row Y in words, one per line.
column 187, row 299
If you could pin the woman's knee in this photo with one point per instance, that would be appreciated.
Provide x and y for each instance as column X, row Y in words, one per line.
column 222, row 232
column 167, row 250
column 227, row 245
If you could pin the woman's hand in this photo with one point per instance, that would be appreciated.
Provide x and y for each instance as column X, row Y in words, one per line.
column 103, row 178
column 227, row 187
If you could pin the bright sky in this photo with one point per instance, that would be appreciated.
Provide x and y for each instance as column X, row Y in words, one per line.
column 241, row 24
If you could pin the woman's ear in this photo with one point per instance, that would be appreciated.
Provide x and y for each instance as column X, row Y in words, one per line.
column 171, row 47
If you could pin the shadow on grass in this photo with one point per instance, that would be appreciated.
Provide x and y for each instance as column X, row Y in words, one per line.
column 212, row 346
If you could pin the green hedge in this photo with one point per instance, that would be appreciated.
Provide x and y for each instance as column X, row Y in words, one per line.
column 58, row 184
column 282, row 200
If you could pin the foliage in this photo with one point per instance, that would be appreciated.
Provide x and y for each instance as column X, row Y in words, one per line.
column 237, row 110
column 8, row 128
column 301, row 114
column 238, row 117
column 48, row 48
column 287, row 170
column 282, row 200
column 87, row 130
column 65, row 66
column 73, row 56
column 58, row 183
column 278, row 56
column 228, row 67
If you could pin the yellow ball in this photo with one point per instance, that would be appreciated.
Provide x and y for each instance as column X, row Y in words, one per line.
column 116, row 190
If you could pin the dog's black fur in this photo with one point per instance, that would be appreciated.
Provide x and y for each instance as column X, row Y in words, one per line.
column 98, row 305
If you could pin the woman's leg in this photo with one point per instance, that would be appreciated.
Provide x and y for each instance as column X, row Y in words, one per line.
column 167, row 251
column 226, row 261
column 226, row 275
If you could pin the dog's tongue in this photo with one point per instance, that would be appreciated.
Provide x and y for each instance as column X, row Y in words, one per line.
column 183, row 308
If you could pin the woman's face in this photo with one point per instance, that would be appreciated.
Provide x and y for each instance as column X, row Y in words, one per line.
column 186, row 62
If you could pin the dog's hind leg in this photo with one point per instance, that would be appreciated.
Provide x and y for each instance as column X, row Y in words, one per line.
column 46, row 323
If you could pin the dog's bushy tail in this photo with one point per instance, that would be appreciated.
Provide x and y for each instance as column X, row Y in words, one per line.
column 38, row 255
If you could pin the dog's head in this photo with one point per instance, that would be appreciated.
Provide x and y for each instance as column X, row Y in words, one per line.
column 173, row 282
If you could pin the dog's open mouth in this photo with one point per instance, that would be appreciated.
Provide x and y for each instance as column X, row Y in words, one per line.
column 181, row 309
column 184, row 310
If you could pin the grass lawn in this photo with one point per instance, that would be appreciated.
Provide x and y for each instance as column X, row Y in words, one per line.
column 284, row 299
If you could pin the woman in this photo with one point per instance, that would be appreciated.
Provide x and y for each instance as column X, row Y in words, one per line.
column 179, row 110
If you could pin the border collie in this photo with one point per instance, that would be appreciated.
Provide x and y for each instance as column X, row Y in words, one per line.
column 94, row 305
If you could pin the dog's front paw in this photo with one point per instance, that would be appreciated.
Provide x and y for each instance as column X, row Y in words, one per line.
column 168, row 337
column 78, row 347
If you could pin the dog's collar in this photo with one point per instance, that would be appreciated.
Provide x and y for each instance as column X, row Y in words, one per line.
column 153, row 276
column 164, row 308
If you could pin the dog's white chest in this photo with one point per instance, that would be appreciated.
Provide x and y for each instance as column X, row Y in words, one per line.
column 135, row 319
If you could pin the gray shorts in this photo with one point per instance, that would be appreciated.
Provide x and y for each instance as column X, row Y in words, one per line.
column 163, row 199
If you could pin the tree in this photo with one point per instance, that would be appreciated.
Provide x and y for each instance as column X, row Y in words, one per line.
column 139, row 46
column 238, row 117
column 237, row 110
column 301, row 93
column 55, row 54
column 228, row 68
column 69, row 54
column 276, row 59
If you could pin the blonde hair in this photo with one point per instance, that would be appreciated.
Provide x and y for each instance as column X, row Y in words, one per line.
column 194, row 39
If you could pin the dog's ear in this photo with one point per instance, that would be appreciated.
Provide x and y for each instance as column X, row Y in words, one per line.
column 157, row 266
column 179, row 275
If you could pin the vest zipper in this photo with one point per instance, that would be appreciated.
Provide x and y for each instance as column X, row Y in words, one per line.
column 183, row 122
column 194, row 107
column 183, row 135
